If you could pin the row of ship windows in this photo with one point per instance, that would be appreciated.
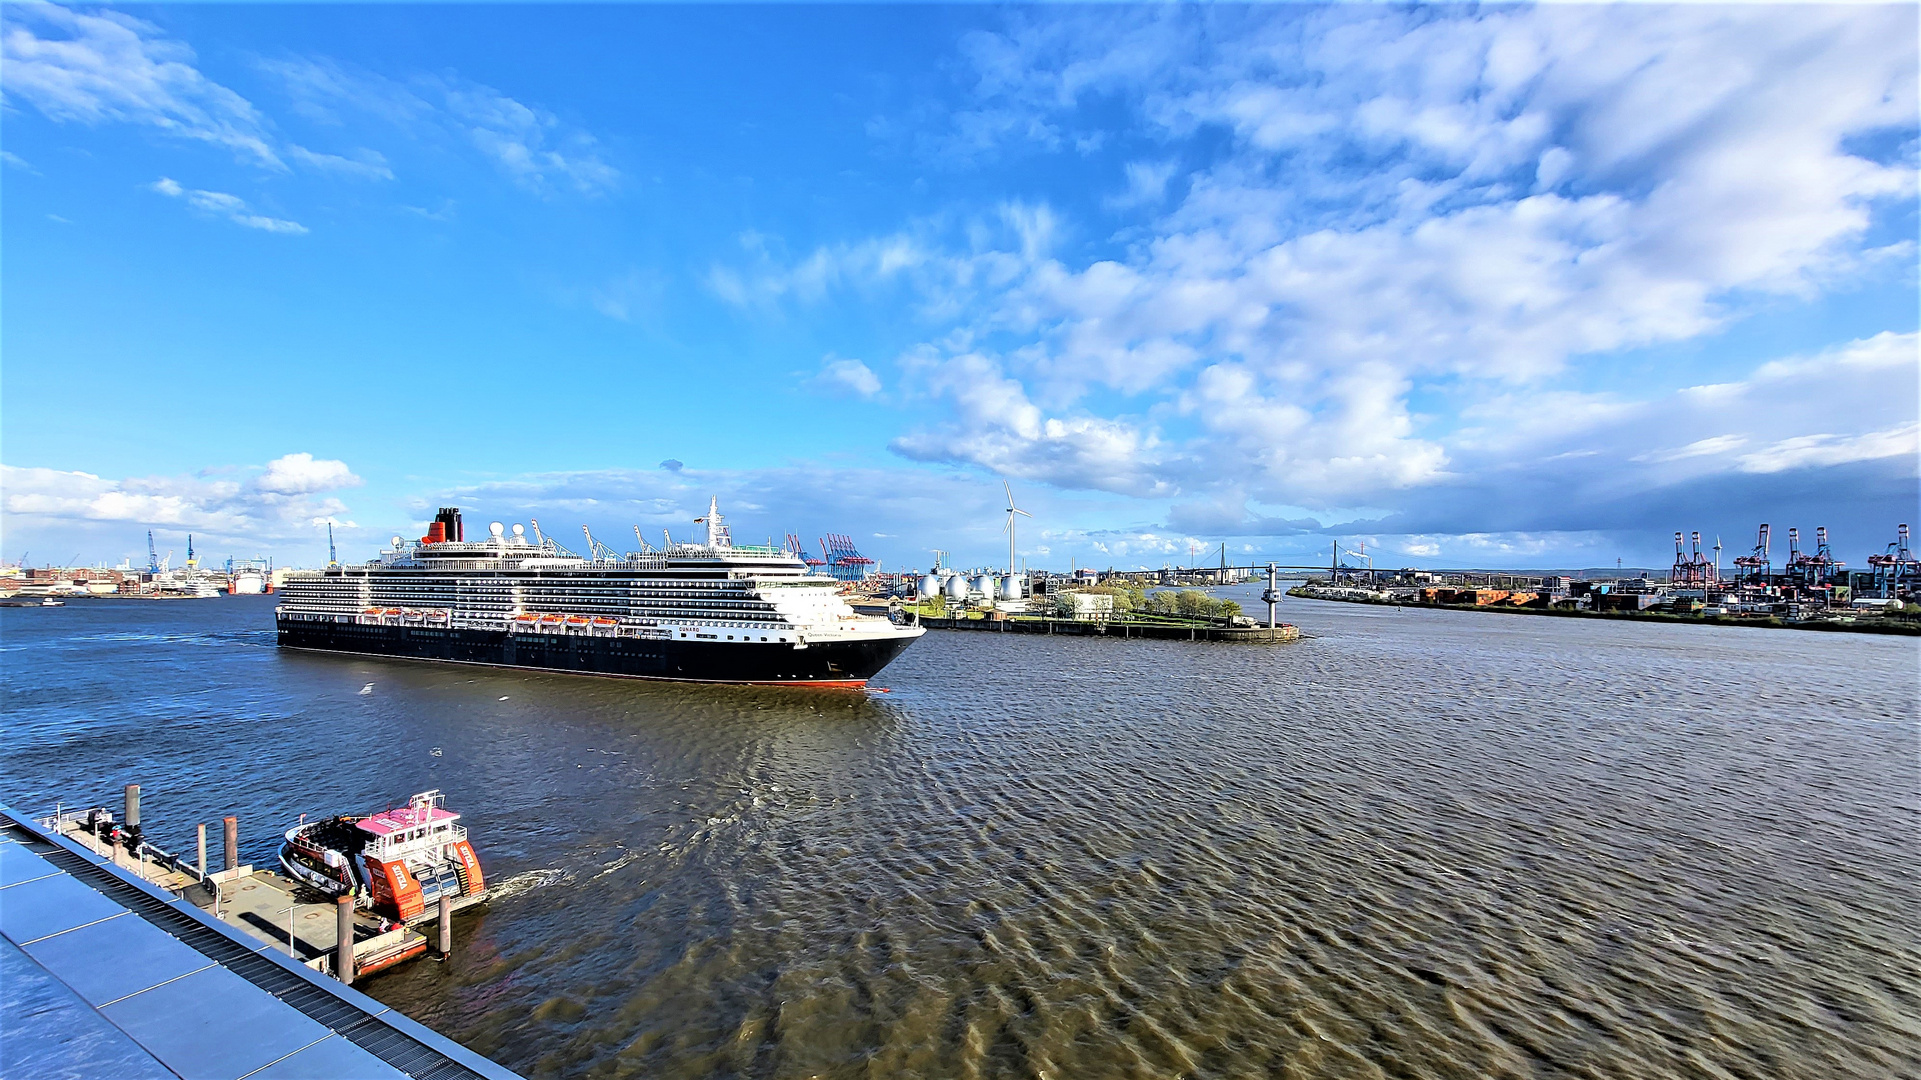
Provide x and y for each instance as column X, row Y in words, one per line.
column 698, row 587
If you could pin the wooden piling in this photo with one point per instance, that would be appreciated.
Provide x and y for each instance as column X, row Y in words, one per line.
column 344, row 948
column 232, row 825
column 446, row 924
column 202, row 828
column 133, row 811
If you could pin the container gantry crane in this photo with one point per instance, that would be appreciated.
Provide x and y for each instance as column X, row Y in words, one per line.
column 1895, row 567
column 1758, row 564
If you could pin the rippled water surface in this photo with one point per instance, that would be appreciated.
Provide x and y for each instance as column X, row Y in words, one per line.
column 1416, row 843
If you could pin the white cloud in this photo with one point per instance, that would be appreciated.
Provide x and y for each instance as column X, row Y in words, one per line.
column 859, row 265
column 93, row 68
column 1813, row 451
column 846, row 377
column 232, row 207
column 289, row 498
column 1469, row 205
column 1884, row 352
column 1709, row 447
column 364, row 164
column 1146, row 184
column 530, row 145
column 303, row 474
column 105, row 67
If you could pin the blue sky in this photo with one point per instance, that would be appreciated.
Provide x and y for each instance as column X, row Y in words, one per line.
column 1507, row 286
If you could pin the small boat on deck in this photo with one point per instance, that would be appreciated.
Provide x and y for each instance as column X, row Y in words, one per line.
column 395, row 862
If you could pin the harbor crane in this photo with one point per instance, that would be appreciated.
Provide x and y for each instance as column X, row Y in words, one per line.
column 332, row 558
column 1810, row 569
column 800, row 552
column 153, row 555
column 1757, row 563
column 1891, row 567
column 599, row 550
column 645, row 547
column 1691, row 566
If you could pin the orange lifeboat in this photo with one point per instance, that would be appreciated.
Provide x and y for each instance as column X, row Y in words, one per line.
column 391, row 611
column 604, row 621
column 576, row 620
column 526, row 617
column 550, row 620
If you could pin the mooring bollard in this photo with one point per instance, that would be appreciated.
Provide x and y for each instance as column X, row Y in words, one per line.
column 344, row 948
column 203, row 850
column 446, row 924
column 233, row 841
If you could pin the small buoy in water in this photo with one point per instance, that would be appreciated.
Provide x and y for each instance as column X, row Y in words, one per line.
column 503, row 697
column 367, row 689
column 436, row 751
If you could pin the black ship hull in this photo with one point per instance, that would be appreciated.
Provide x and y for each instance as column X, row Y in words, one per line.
column 833, row 663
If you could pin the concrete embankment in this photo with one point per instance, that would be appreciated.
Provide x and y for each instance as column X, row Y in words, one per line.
column 1119, row 629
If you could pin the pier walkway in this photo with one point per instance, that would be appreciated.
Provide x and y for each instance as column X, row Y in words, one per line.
column 102, row 974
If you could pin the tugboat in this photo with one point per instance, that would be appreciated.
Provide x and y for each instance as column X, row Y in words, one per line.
column 397, row 861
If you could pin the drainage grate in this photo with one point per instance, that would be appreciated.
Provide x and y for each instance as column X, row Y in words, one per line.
column 382, row 1040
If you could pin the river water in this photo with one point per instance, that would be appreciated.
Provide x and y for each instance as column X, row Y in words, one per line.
column 1415, row 843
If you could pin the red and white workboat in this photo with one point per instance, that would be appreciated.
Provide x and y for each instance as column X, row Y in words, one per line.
column 397, row 862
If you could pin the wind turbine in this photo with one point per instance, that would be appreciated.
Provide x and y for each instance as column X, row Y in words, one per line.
column 1012, row 567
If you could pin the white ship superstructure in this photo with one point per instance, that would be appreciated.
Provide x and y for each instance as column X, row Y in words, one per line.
column 671, row 612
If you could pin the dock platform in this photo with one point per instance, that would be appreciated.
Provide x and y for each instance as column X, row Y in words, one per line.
column 103, row 973
column 271, row 907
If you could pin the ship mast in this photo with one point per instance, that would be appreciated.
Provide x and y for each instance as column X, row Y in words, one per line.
column 716, row 532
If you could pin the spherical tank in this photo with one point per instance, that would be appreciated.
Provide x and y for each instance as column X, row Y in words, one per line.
column 986, row 586
column 929, row 585
column 957, row 587
column 1011, row 587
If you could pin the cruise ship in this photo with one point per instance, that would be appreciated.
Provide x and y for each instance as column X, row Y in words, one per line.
column 691, row 612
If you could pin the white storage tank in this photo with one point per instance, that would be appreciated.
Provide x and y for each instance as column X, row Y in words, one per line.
column 985, row 585
column 929, row 585
column 957, row 587
column 1011, row 587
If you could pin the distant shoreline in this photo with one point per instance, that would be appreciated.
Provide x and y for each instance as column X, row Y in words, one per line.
column 1772, row 622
